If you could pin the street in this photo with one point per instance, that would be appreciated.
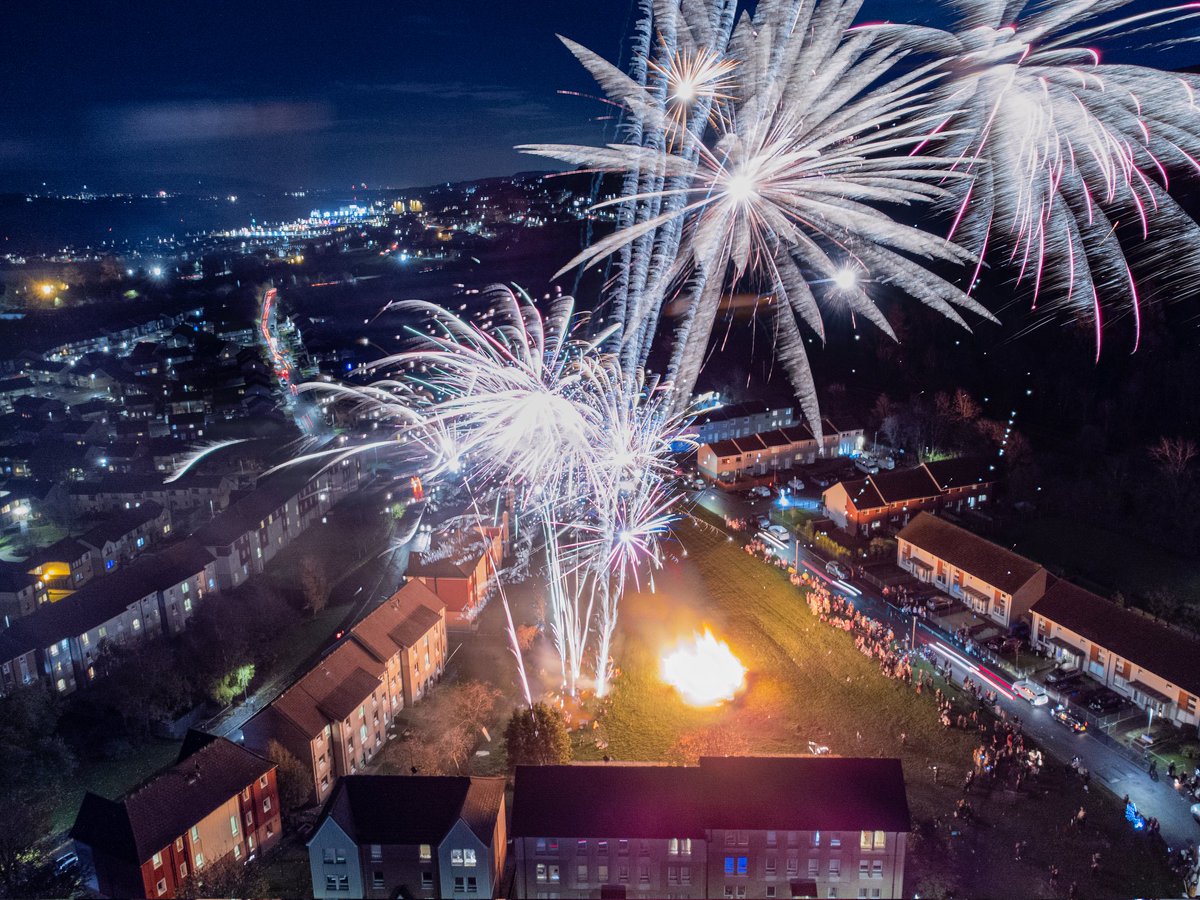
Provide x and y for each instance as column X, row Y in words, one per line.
column 1121, row 776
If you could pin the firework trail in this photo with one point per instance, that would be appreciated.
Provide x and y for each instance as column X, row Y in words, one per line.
column 800, row 132
column 1072, row 159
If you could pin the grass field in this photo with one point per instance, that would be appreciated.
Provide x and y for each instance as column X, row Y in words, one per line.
column 112, row 778
column 807, row 682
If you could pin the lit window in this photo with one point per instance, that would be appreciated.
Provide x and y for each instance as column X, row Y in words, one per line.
column 468, row 857
column 426, row 851
column 156, row 860
column 233, row 825
column 456, row 857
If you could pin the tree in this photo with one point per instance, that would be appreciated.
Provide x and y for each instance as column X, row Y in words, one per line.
column 1173, row 456
column 537, row 737
column 291, row 775
column 225, row 877
column 226, row 688
column 314, row 584
column 719, row 740
column 447, row 727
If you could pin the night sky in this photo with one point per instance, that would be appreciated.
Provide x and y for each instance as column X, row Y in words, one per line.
column 249, row 95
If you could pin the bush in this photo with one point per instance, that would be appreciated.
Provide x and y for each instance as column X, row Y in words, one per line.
column 537, row 737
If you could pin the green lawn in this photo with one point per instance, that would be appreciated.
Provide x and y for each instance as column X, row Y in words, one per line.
column 807, row 682
column 1111, row 560
column 112, row 778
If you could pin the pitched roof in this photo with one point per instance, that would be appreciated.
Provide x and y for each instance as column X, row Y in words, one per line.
column 121, row 523
column 166, row 806
column 750, row 793
column 400, row 621
column 732, row 411
column 986, row 561
column 1151, row 645
column 398, row 809
column 863, row 494
column 961, row 471
column 330, row 690
column 268, row 495
column 901, row 485
column 104, row 598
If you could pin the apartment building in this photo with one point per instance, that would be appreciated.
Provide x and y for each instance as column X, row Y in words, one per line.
column 461, row 568
column 1147, row 661
column 63, row 567
column 126, row 534
column 730, row 827
column 991, row 581
column 407, row 633
column 383, row 836
column 756, row 454
column 737, row 420
column 217, row 801
column 153, row 597
column 253, row 529
column 864, row 505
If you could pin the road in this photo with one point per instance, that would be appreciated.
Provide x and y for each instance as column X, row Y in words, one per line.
column 1109, row 767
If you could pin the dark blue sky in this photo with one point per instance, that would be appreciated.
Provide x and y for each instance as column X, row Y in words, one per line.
column 142, row 95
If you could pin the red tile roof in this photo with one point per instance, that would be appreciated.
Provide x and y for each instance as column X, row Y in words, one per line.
column 986, row 561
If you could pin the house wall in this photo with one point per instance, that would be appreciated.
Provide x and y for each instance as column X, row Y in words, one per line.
column 333, row 854
column 577, row 867
column 1117, row 673
column 422, row 664
column 460, row 838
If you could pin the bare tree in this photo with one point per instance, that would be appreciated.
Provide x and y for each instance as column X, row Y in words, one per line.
column 314, row 584
column 1174, row 455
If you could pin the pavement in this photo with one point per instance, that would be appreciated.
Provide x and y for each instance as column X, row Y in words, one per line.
column 1108, row 766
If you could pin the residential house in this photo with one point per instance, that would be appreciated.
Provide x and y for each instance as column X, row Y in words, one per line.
column 65, row 566
column 117, row 492
column 383, row 836
column 334, row 719
column 462, row 568
column 767, row 452
column 867, row 504
column 20, row 593
column 153, row 597
column 1147, row 661
column 757, row 827
column 991, row 581
column 218, row 801
column 126, row 534
column 737, row 420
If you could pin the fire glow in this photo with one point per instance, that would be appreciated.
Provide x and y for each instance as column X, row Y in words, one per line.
column 704, row 670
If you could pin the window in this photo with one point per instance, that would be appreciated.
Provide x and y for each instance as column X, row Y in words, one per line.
column 456, row 857
column 685, row 846
column 743, row 838
column 179, row 845
column 541, row 873
column 730, row 862
column 137, row 624
column 813, row 868
column 685, row 874
column 266, row 804
column 643, row 873
column 582, row 847
column 875, row 893
column 743, row 865
column 161, row 887
column 864, row 868
column 237, row 851
column 473, row 884
column 554, row 877
column 771, row 838
column 377, row 880
column 426, row 852
column 816, row 839
column 835, row 868
column 622, row 846
column 623, row 873
column 877, row 868
column 183, row 870
column 468, row 857
column 602, row 873
column 334, row 856
column 460, row 884
column 426, row 879
column 672, row 874
column 195, row 834
column 156, row 859
column 770, row 866
column 199, row 861
column 833, row 892
column 835, row 839
column 873, row 840
column 233, row 825
column 376, row 852
column 581, row 873
column 249, row 819
column 770, row 890
column 602, row 846
column 540, row 847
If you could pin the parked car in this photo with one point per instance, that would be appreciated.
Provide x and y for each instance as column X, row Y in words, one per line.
column 796, row 484
column 778, row 529
column 761, row 491
column 836, row 570
column 1063, row 716
column 937, row 605
column 1032, row 692
column 764, row 522
column 1057, row 676
column 1105, row 701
